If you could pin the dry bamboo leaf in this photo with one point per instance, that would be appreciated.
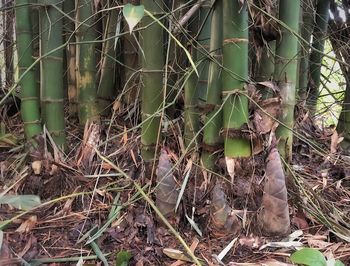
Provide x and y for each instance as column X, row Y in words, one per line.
column 133, row 157
column 116, row 105
column 166, row 191
column 275, row 214
column 265, row 120
column 27, row 225
column 268, row 262
column 192, row 248
column 125, row 136
column 269, row 84
column 258, row 145
column 91, row 138
column 252, row 242
column 335, row 140
column 223, row 219
column 230, row 165
column 106, row 166
column 176, row 254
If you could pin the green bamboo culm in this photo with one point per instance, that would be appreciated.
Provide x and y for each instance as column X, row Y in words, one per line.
column 30, row 104
column 267, row 62
column 195, row 88
column 203, row 39
column 234, row 77
column 52, row 93
column 69, row 29
column 151, row 40
column 191, row 114
column 306, row 28
column 266, row 67
column 286, row 72
column 106, row 88
column 36, row 39
column 213, row 119
column 86, row 76
column 175, row 58
column 319, row 37
column 344, row 118
column 130, row 76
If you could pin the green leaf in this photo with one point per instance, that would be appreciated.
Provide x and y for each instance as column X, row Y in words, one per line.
column 99, row 253
column 133, row 15
column 123, row 258
column 23, row 202
column 339, row 263
column 309, row 257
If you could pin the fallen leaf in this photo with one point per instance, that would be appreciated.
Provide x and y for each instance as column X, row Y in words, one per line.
column 282, row 244
column 106, row 166
column 252, row 242
column 27, row 225
column 116, row 105
column 334, row 142
column 230, row 165
column 176, row 254
column 125, row 136
column 269, row 262
column 192, row 248
column 91, row 138
column 23, row 202
column 317, row 243
column 269, row 84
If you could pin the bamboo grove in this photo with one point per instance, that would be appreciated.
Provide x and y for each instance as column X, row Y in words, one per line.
column 232, row 71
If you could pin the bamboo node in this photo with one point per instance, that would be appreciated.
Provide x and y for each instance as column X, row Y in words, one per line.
column 152, row 115
column 235, row 40
column 30, row 99
column 32, row 122
column 242, row 132
column 211, row 148
column 231, row 92
column 152, row 70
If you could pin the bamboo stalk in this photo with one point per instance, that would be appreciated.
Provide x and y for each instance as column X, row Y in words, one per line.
column 8, row 42
column 29, row 94
column 306, row 27
column 69, row 26
column 152, row 78
column 36, row 39
column 235, row 62
column 319, row 36
column 196, row 88
column 86, row 60
column 130, row 56
column 106, row 88
column 52, row 92
column 211, row 135
column 286, row 73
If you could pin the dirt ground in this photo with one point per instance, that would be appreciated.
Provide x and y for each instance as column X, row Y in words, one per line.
column 90, row 211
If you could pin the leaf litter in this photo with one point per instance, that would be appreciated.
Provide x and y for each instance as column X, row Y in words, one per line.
column 89, row 212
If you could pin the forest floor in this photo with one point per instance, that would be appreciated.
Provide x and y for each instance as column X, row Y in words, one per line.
column 90, row 212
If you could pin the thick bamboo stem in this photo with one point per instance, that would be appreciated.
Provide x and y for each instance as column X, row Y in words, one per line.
column 152, row 78
column 52, row 92
column 29, row 94
column 234, row 77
